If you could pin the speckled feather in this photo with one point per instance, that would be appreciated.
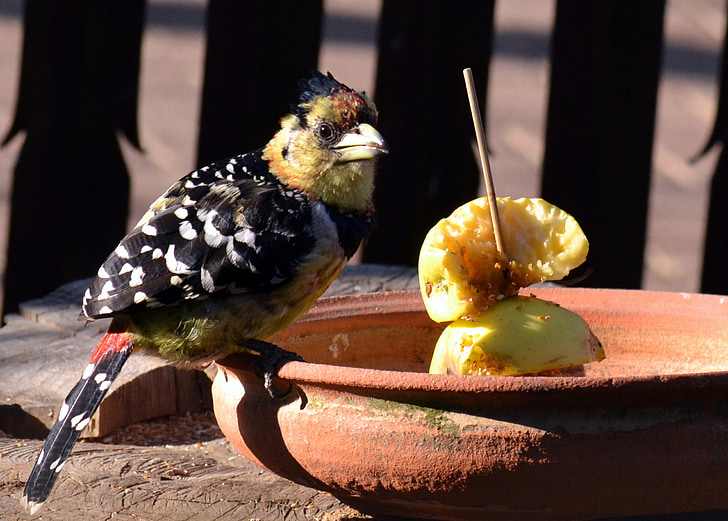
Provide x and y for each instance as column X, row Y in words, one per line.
column 231, row 227
column 228, row 228
column 230, row 254
column 234, row 235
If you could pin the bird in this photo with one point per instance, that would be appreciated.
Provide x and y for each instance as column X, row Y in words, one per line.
column 230, row 254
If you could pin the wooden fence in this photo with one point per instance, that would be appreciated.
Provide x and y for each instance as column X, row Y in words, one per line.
column 79, row 84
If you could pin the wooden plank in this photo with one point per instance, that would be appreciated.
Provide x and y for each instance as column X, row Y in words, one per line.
column 48, row 343
column 62, row 309
column 373, row 278
column 37, row 368
column 200, row 482
column 39, row 365
column 44, row 350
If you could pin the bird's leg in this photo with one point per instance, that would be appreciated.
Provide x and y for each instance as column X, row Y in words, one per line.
column 267, row 364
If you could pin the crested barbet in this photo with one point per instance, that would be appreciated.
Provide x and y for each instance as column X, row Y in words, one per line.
column 231, row 254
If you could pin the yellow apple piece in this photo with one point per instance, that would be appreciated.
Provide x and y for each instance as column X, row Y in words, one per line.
column 461, row 272
column 519, row 335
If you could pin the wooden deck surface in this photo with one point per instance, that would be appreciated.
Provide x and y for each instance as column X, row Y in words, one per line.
column 199, row 477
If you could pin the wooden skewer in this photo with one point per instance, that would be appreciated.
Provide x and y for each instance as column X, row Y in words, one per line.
column 484, row 161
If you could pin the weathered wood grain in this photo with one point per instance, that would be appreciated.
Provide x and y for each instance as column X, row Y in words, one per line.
column 44, row 350
column 40, row 364
column 205, row 481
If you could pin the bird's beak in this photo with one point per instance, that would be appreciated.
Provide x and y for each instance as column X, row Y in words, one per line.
column 361, row 144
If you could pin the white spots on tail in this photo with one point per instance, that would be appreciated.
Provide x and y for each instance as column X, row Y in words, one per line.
column 139, row 297
column 181, row 213
column 82, row 424
column 103, row 381
column 88, row 371
column 32, row 506
column 105, row 310
column 79, row 419
column 64, row 412
column 102, row 273
column 87, row 296
column 56, row 465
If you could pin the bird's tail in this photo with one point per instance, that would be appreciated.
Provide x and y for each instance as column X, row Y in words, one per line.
column 76, row 411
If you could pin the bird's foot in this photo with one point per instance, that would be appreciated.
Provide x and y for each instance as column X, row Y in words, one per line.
column 267, row 365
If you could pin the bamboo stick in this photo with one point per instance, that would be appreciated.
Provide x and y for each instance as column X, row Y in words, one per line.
column 484, row 161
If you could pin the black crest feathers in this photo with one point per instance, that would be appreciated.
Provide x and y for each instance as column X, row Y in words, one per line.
column 316, row 85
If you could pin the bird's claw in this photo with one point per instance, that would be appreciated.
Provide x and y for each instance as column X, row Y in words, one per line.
column 267, row 365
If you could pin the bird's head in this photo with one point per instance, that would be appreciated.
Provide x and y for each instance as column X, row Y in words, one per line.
column 327, row 145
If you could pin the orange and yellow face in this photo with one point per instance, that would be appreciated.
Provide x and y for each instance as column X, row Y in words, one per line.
column 329, row 149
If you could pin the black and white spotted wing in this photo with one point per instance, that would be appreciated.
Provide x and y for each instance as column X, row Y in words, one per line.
column 231, row 227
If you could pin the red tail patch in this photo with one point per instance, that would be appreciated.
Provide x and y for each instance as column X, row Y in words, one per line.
column 112, row 342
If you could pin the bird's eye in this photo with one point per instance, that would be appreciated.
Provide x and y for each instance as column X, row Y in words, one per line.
column 325, row 131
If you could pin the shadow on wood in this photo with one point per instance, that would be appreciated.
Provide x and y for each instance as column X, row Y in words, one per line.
column 605, row 67
column 425, row 118
column 18, row 423
column 256, row 51
column 78, row 88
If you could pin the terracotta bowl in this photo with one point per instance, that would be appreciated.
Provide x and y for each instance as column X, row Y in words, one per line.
column 643, row 432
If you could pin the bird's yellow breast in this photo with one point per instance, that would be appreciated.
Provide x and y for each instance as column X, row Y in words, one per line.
column 204, row 330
